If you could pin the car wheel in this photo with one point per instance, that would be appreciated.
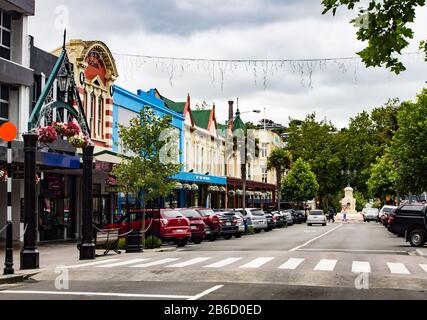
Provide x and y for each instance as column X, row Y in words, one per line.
column 198, row 241
column 238, row 236
column 267, row 230
column 182, row 243
column 417, row 238
column 324, row 224
column 309, row 224
column 227, row 237
column 257, row 230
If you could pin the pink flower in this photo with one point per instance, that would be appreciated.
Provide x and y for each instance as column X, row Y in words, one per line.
column 47, row 134
column 71, row 130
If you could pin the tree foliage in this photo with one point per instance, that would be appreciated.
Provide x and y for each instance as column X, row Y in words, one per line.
column 300, row 184
column 279, row 160
column 384, row 24
column 383, row 179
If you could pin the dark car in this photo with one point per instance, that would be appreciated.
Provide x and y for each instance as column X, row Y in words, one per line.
column 229, row 223
column 197, row 226
column 271, row 222
column 281, row 220
column 211, row 220
column 410, row 221
column 300, row 216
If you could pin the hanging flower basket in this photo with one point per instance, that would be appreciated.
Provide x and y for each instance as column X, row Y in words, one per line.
column 47, row 134
column 111, row 181
column 239, row 192
column 3, row 175
column 194, row 187
column 250, row 193
column 178, row 186
column 60, row 128
column 232, row 193
column 186, row 187
column 213, row 189
column 223, row 190
column 79, row 141
column 71, row 130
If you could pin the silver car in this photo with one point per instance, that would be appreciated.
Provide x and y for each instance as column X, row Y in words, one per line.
column 255, row 218
column 371, row 215
column 316, row 217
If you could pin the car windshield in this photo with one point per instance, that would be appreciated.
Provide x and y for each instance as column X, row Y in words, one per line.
column 190, row 213
column 316, row 213
column 257, row 213
column 171, row 214
column 206, row 213
column 389, row 210
column 372, row 211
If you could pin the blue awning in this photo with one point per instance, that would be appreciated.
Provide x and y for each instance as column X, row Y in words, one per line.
column 200, row 178
column 59, row 160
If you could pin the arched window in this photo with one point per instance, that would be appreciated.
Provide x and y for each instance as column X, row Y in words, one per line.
column 99, row 127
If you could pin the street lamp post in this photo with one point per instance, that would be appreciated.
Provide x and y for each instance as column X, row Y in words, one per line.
column 244, row 163
column 348, row 175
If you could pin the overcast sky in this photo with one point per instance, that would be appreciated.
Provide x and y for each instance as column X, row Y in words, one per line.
column 236, row 29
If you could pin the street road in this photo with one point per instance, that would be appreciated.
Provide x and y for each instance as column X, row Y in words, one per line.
column 340, row 261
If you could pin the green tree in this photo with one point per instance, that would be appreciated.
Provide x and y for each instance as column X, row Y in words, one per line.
column 300, row 184
column 384, row 24
column 408, row 148
column 279, row 160
column 383, row 180
column 151, row 158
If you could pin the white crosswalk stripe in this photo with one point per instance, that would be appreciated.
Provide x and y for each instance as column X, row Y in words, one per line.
column 223, row 263
column 188, row 263
column 292, row 264
column 398, row 268
column 91, row 264
column 361, row 267
column 155, row 263
column 424, row 267
column 123, row 263
column 259, row 262
column 326, row 265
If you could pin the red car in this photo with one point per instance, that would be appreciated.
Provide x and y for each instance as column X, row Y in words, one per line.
column 167, row 224
column 212, row 222
column 198, row 227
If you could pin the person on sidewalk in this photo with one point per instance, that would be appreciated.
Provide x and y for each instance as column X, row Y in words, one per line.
column 344, row 215
column 332, row 215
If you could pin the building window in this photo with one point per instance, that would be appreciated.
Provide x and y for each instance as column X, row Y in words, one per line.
column 5, row 30
column 100, row 117
column 264, row 150
column 4, row 103
column 92, row 113
column 264, row 175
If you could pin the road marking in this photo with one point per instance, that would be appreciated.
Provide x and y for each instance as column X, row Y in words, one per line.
column 155, row 263
column 424, row 267
column 354, row 250
column 188, row 263
column 123, row 263
column 361, row 267
column 314, row 239
column 326, row 265
column 398, row 268
column 223, row 263
column 91, row 264
column 99, row 294
column 205, row 293
column 257, row 263
column 291, row 264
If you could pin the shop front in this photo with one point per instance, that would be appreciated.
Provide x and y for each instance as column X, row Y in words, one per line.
column 258, row 195
column 196, row 190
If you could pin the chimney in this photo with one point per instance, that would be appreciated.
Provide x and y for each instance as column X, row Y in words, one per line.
column 230, row 110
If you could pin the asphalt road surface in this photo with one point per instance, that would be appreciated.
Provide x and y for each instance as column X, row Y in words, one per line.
column 350, row 261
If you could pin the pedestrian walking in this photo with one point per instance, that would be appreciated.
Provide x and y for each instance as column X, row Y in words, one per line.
column 344, row 215
column 331, row 215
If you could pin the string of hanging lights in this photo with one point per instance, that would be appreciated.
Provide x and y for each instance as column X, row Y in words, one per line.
column 218, row 69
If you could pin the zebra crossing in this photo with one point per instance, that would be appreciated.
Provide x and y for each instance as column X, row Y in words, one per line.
column 241, row 263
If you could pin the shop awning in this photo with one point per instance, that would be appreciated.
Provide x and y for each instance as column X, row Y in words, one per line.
column 107, row 156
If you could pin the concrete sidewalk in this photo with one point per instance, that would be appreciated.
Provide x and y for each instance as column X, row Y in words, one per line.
column 53, row 255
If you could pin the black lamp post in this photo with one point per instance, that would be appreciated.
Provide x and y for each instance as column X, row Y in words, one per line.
column 348, row 174
column 29, row 254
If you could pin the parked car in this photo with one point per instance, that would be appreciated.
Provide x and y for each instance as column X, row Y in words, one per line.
column 168, row 225
column 384, row 213
column 300, row 216
column 371, row 214
column 197, row 226
column 255, row 218
column 281, row 219
column 271, row 222
column 211, row 220
column 316, row 217
column 242, row 217
column 410, row 221
column 230, row 225
column 289, row 217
